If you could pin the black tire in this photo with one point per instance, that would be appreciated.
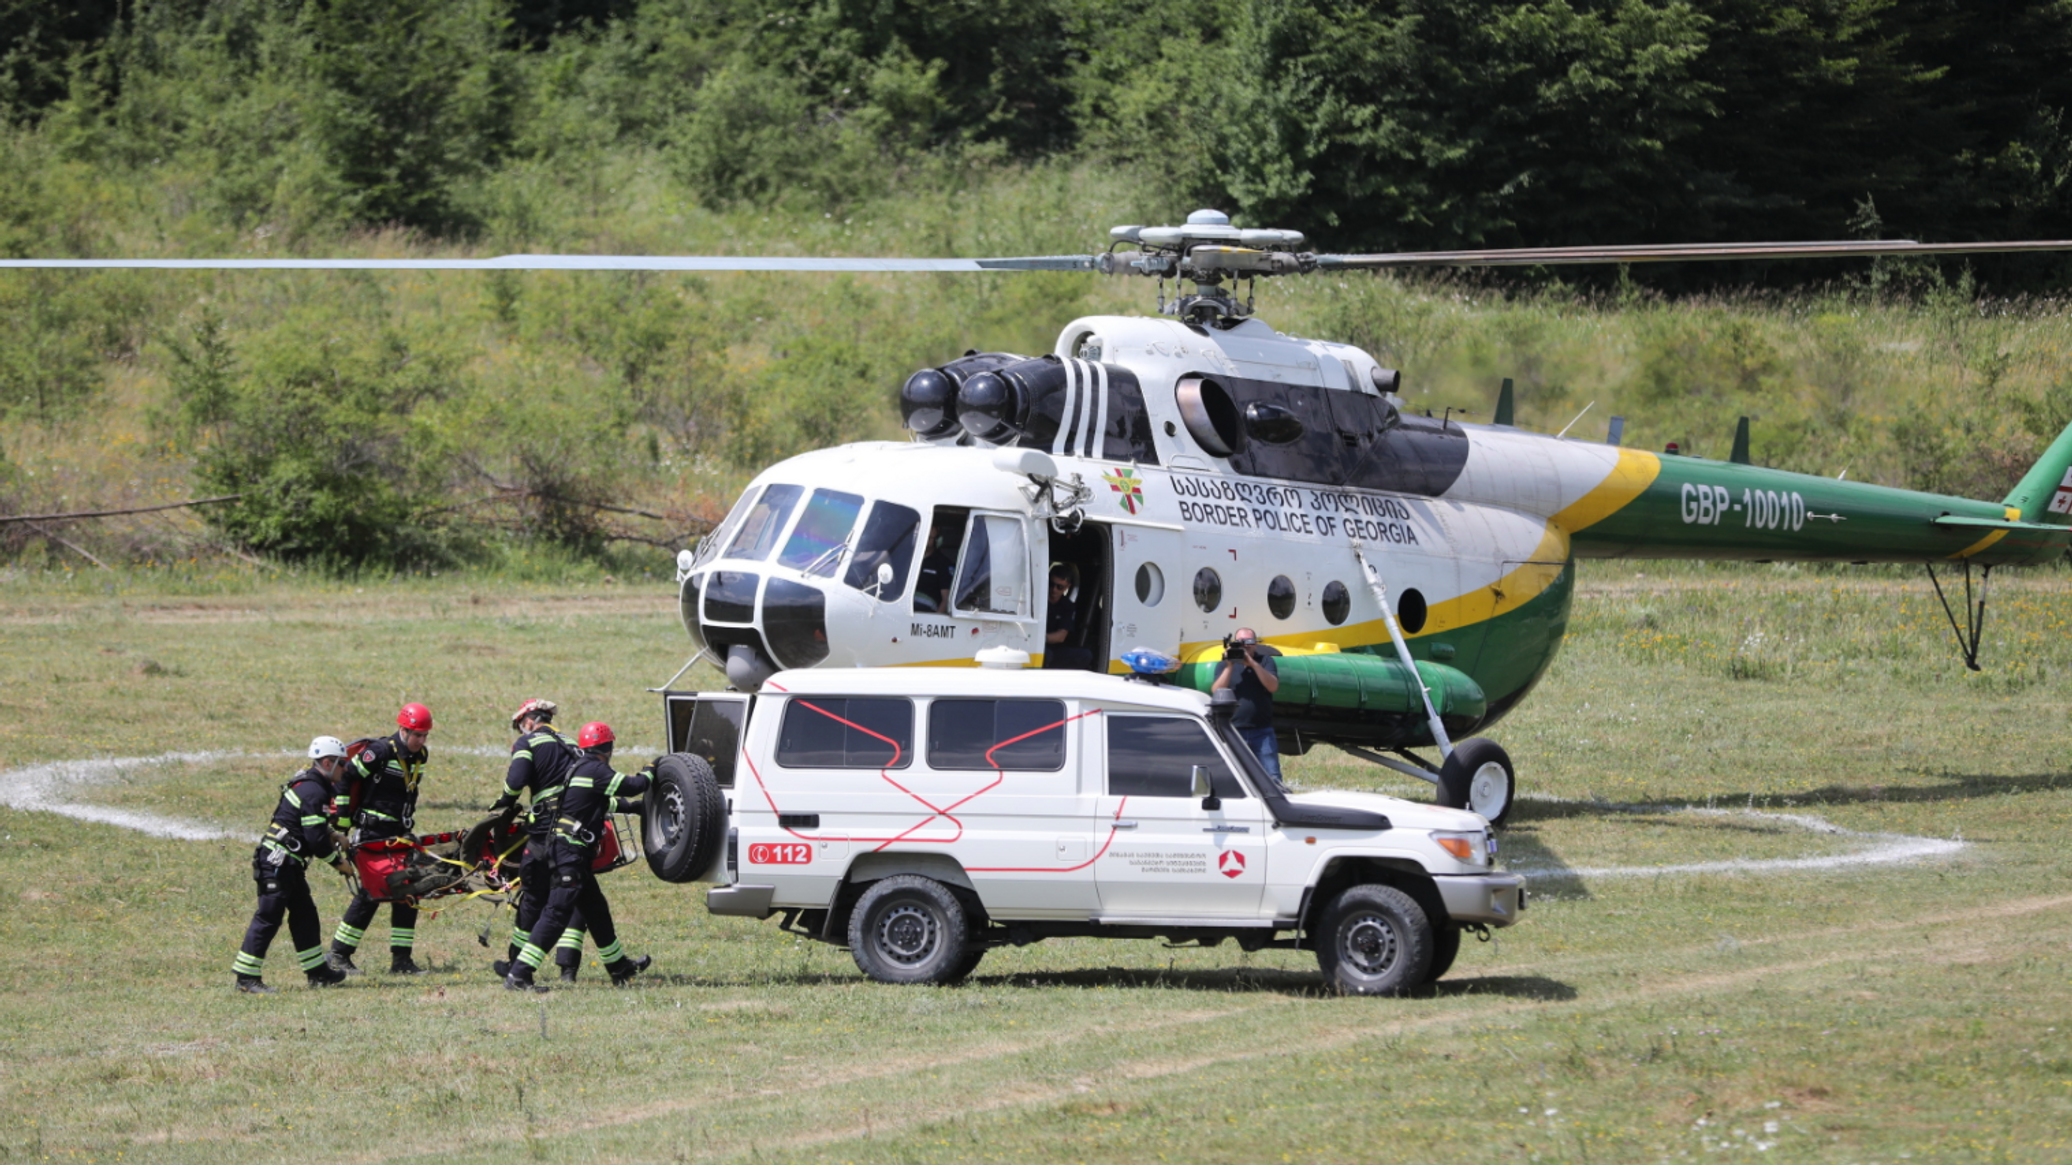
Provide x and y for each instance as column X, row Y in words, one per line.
column 965, row 965
column 1479, row 776
column 1445, row 949
column 686, row 818
column 909, row 929
column 1374, row 940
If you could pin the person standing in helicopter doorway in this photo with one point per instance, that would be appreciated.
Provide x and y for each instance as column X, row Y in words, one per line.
column 299, row 833
column 382, row 797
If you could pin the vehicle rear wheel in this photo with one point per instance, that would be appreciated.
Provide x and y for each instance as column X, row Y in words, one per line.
column 1479, row 776
column 1374, row 940
column 909, row 929
column 1445, row 949
column 686, row 818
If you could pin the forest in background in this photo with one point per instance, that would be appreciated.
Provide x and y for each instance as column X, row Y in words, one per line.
column 561, row 421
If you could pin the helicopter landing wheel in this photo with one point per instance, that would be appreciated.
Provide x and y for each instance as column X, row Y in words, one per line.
column 1479, row 776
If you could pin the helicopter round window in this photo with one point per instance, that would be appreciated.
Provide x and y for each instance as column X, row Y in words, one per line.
column 1280, row 596
column 1338, row 602
column 1150, row 584
column 1410, row 611
column 1208, row 589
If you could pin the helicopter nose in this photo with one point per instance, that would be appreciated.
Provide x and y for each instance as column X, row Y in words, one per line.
column 756, row 625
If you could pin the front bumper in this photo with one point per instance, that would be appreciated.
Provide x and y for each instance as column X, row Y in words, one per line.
column 1489, row 899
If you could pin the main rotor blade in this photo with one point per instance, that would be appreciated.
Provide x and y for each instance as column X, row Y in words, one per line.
column 576, row 263
column 1679, row 253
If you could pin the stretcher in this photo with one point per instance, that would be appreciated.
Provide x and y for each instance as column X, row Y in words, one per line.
column 479, row 862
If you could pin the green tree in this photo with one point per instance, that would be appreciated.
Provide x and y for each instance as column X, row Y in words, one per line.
column 415, row 99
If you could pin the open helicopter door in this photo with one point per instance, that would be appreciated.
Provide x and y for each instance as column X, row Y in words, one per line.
column 1145, row 608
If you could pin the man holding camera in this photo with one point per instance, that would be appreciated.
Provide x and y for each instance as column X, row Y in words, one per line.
column 1249, row 671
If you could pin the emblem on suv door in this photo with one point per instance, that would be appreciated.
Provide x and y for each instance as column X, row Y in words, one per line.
column 1232, row 863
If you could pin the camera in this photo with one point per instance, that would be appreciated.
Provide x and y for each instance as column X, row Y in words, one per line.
column 1236, row 648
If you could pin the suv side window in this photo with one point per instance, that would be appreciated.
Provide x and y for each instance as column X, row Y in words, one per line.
column 835, row 732
column 1013, row 735
column 1154, row 756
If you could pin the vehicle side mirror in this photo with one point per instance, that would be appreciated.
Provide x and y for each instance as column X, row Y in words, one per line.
column 884, row 577
column 1206, row 789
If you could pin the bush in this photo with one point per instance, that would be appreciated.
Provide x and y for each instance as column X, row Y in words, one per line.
column 315, row 426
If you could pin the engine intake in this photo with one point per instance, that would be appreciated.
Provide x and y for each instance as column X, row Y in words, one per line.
column 928, row 399
column 1024, row 402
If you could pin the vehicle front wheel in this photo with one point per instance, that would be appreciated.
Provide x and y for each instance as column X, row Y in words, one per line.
column 1445, row 949
column 909, row 929
column 1478, row 776
column 1374, row 940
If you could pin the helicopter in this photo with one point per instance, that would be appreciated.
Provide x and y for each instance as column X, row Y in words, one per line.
column 1195, row 471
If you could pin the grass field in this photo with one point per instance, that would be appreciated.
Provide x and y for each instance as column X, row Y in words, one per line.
column 1764, row 725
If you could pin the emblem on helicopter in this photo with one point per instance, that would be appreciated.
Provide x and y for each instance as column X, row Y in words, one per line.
column 1124, row 481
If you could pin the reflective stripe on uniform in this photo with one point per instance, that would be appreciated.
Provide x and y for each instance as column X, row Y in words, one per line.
column 310, row 959
column 402, row 936
column 248, row 964
column 571, row 939
column 532, row 956
column 612, row 953
column 348, row 935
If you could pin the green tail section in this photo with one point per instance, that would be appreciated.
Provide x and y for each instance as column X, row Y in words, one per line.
column 2045, row 492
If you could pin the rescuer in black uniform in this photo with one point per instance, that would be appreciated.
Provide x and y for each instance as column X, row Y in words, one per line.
column 299, row 833
column 593, row 788
column 388, row 772
column 541, row 759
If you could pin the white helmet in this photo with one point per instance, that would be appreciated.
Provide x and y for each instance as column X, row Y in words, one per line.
column 324, row 746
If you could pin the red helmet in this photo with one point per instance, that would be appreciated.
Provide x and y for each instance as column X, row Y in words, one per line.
column 414, row 718
column 593, row 734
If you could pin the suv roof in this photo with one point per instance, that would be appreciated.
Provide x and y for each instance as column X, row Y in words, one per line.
column 986, row 681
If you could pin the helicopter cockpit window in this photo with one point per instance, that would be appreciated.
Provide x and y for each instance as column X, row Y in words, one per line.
column 708, row 546
column 888, row 540
column 765, row 520
column 994, row 576
column 817, row 542
column 1295, row 436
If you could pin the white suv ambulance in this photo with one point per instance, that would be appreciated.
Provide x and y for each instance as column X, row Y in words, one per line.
column 921, row 816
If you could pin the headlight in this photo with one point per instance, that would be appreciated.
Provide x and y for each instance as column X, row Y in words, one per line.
column 1472, row 848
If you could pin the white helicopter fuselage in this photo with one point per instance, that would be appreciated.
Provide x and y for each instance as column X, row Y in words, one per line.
column 926, row 552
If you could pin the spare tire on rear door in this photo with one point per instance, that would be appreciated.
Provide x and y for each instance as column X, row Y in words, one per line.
column 686, row 819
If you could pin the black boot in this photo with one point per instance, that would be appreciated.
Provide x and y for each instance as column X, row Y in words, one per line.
column 252, row 985
column 569, row 969
column 502, row 967
column 341, row 959
column 400, row 962
column 520, row 979
column 325, row 975
column 623, row 971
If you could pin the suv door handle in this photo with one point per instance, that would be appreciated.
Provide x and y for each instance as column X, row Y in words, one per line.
column 1122, row 825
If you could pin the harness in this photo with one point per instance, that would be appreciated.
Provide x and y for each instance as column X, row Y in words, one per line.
column 281, row 840
column 546, row 803
column 570, row 829
column 411, row 776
